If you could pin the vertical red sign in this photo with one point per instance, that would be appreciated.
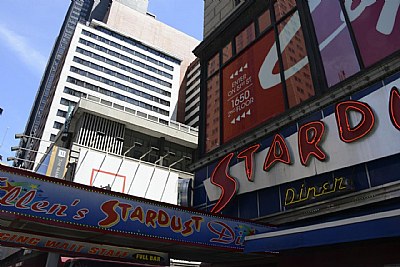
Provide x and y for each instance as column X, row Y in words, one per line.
column 246, row 103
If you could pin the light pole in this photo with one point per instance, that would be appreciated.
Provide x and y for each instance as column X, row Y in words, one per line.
column 15, row 159
column 18, row 150
column 24, row 139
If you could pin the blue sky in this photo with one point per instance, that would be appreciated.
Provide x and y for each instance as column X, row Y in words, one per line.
column 28, row 29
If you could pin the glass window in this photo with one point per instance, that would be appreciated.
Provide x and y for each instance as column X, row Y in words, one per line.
column 295, row 61
column 282, row 7
column 57, row 125
column 227, row 52
column 264, row 21
column 213, row 65
column 251, row 88
column 337, row 51
column 61, row 113
column 376, row 26
column 212, row 114
column 245, row 37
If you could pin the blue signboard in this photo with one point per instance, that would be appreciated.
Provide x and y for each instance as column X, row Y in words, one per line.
column 39, row 198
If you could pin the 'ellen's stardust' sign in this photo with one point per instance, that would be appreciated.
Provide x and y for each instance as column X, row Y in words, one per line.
column 357, row 131
column 33, row 197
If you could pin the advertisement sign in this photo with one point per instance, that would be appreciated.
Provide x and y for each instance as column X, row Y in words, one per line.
column 375, row 24
column 348, row 133
column 376, row 20
column 37, row 198
column 58, row 162
column 127, row 176
column 246, row 102
column 13, row 238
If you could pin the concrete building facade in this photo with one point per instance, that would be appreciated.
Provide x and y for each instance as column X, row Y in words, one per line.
column 113, row 60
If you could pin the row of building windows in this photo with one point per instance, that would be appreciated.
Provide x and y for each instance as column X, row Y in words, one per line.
column 125, row 58
column 126, row 49
column 113, row 95
column 120, row 66
column 192, row 108
column 195, row 73
column 194, row 90
column 193, row 99
column 116, row 84
column 138, row 44
column 124, row 88
column 193, row 82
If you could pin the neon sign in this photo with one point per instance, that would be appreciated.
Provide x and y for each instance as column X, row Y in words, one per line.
column 310, row 144
column 13, row 238
column 307, row 194
column 37, row 198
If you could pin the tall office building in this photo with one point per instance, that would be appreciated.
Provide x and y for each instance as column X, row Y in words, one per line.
column 102, row 53
column 189, row 96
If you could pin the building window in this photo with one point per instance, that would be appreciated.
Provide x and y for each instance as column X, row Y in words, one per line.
column 52, row 137
column 61, row 113
column 244, row 38
column 57, row 125
column 213, row 65
column 227, row 52
column 264, row 21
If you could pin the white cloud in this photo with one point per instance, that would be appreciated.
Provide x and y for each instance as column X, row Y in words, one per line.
column 32, row 58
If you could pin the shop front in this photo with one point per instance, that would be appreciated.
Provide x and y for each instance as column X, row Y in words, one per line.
column 307, row 134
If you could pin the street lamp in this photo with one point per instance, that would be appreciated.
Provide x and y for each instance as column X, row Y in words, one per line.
column 179, row 160
column 151, row 149
column 25, row 138
column 18, row 149
column 129, row 149
column 15, row 159
column 163, row 157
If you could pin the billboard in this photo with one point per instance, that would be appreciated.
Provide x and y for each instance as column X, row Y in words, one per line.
column 246, row 102
column 271, row 72
column 36, row 198
column 49, row 243
column 361, row 129
column 54, row 163
column 127, row 176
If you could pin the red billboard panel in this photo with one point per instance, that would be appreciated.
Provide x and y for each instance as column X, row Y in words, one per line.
column 252, row 90
column 376, row 25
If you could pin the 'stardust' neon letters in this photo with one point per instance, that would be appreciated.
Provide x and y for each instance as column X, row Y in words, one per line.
column 116, row 210
column 248, row 156
column 394, row 107
column 223, row 180
column 278, row 151
column 347, row 133
column 310, row 137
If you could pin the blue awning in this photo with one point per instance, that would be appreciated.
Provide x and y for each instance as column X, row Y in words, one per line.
column 367, row 227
